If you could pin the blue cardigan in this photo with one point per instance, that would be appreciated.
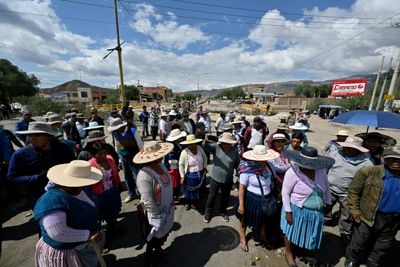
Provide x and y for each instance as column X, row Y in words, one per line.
column 80, row 215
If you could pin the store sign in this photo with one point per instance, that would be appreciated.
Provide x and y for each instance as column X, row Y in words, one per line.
column 349, row 87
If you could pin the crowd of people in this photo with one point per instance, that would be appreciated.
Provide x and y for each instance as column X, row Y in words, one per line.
column 286, row 189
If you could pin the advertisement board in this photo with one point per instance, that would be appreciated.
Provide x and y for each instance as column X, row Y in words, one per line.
column 354, row 87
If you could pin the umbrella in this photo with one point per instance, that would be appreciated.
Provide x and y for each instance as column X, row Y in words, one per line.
column 370, row 119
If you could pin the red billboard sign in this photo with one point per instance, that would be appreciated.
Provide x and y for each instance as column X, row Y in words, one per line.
column 349, row 87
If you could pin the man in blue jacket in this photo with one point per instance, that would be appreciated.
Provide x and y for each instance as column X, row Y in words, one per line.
column 29, row 165
column 22, row 125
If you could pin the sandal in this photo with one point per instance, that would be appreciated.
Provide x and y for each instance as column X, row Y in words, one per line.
column 244, row 246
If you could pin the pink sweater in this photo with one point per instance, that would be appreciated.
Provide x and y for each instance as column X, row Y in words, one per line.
column 297, row 187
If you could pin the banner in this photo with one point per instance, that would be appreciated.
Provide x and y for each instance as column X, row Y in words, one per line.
column 349, row 87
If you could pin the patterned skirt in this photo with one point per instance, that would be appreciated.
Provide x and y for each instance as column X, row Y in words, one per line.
column 306, row 228
column 192, row 187
column 47, row 256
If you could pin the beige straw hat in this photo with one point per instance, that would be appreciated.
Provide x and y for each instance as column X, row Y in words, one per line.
column 227, row 138
column 191, row 139
column 175, row 135
column 38, row 127
column 152, row 151
column 54, row 119
column 77, row 173
column 227, row 127
column 259, row 153
column 342, row 133
column 354, row 142
column 115, row 124
column 95, row 136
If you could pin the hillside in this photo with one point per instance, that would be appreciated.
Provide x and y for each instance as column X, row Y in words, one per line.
column 283, row 87
column 71, row 85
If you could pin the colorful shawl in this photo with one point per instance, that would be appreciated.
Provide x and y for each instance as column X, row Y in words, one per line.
column 252, row 167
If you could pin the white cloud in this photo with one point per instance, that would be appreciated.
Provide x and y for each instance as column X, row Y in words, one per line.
column 62, row 54
column 165, row 29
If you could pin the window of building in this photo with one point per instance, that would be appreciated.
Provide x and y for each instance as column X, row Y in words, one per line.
column 74, row 94
column 84, row 94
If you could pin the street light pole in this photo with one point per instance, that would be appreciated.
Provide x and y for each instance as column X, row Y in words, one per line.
column 119, row 51
column 389, row 101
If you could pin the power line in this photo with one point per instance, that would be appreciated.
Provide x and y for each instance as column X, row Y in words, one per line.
column 219, row 20
column 347, row 40
column 239, row 16
column 261, row 10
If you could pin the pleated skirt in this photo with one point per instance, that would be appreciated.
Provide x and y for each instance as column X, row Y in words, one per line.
column 306, row 228
column 47, row 256
column 192, row 186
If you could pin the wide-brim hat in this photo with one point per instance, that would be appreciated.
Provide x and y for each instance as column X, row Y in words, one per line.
column 278, row 136
column 77, row 173
column 54, row 119
column 152, row 151
column 227, row 126
column 343, row 133
column 354, row 142
column 172, row 113
column 282, row 126
column 298, row 126
column 175, row 135
column 259, row 153
column 236, row 122
column 308, row 158
column 191, row 139
column 384, row 139
column 227, row 138
column 164, row 114
column 38, row 127
column 115, row 124
column 393, row 152
column 93, row 125
column 95, row 136
column 185, row 113
column 80, row 116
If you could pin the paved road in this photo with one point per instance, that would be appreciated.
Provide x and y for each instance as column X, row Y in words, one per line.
column 192, row 242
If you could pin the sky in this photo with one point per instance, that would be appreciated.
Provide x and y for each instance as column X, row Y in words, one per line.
column 215, row 43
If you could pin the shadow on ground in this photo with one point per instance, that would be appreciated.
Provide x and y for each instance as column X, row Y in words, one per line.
column 192, row 250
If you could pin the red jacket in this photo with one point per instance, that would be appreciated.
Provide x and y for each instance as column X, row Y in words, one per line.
column 98, row 187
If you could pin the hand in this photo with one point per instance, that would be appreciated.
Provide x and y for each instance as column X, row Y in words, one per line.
column 95, row 237
column 205, row 170
column 241, row 209
column 182, row 180
column 206, row 137
column 289, row 217
column 356, row 217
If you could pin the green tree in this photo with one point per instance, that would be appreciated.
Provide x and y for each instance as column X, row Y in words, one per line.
column 131, row 92
column 189, row 96
column 113, row 97
column 15, row 82
column 232, row 93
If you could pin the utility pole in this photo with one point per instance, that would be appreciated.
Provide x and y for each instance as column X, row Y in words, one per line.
column 389, row 101
column 371, row 104
column 378, row 105
column 119, row 51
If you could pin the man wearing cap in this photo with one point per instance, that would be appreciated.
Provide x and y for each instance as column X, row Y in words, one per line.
column 220, row 124
column 189, row 126
column 128, row 143
column 374, row 204
column 71, row 130
column 95, row 117
column 254, row 135
column 348, row 161
column 22, row 125
column 333, row 144
column 29, row 165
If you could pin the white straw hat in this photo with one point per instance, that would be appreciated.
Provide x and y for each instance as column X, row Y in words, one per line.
column 342, row 133
column 259, row 153
column 77, row 173
column 354, row 142
column 115, row 124
column 175, row 135
column 298, row 126
column 227, row 138
column 152, row 151
column 38, row 127
column 93, row 125
column 191, row 139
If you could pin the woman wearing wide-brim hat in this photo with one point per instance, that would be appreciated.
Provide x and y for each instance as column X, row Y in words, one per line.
column 305, row 192
column 375, row 143
column 68, row 217
column 156, row 211
column 256, row 177
column 192, row 169
column 171, row 160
